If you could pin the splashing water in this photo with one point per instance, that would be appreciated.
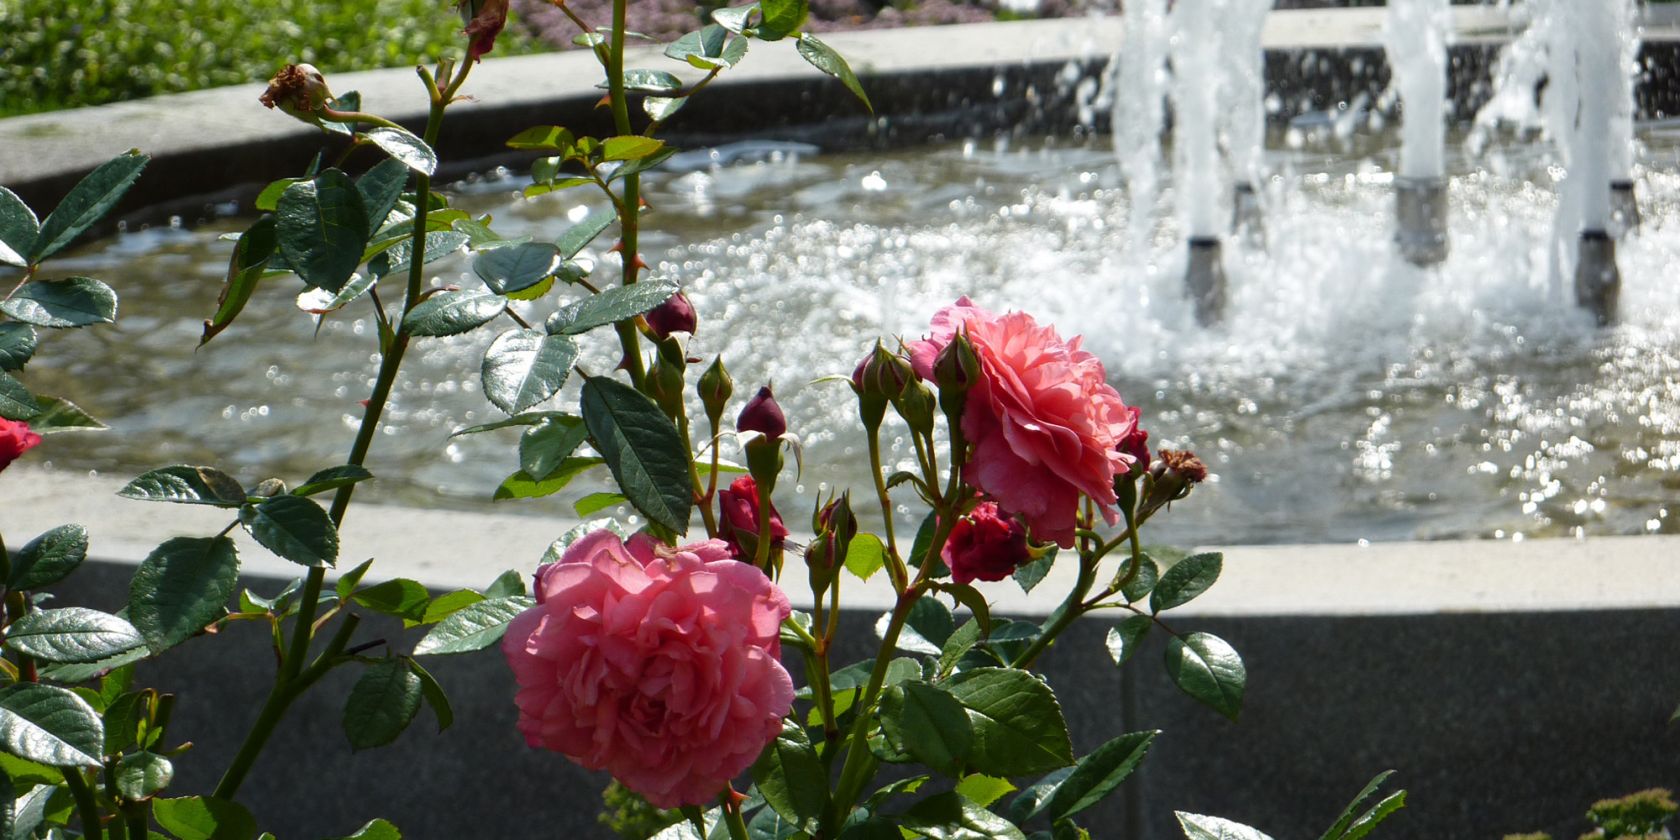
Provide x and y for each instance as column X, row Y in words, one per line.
column 1198, row 61
column 1138, row 89
column 1414, row 36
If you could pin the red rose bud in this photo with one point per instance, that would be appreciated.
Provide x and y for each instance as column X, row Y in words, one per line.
column 485, row 19
column 882, row 373
column 738, row 525
column 834, row 527
column 673, row 316
column 986, row 545
column 763, row 415
column 15, row 439
column 1135, row 444
column 957, row 367
column 298, row 90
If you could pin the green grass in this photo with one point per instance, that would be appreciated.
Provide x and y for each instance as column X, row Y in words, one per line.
column 57, row 54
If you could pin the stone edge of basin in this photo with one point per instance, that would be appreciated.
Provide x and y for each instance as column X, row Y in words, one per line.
column 990, row 74
column 447, row 549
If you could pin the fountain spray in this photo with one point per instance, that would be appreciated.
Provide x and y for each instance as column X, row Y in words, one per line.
column 1196, row 58
column 1415, row 37
column 1245, row 129
column 1139, row 87
column 1624, row 205
column 1600, row 82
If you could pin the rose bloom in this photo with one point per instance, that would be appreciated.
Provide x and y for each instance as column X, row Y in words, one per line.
column 1045, row 423
column 985, row 545
column 15, row 439
column 739, row 507
column 659, row 665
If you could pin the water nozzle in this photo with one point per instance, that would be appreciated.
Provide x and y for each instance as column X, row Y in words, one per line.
column 1624, row 209
column 1420, row 215
column 1204, row 280
column 1598, row 283
column 1246, row 218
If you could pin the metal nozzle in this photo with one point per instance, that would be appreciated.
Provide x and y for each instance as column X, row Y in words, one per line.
column 1420, row 215
column 1246, row 218
column 1598, row 283
column 1204, row 280
column 1624, row 209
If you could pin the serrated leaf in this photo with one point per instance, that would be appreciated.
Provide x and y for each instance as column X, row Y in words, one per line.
column 929, row 723
column 16, row 403
column 1122, row 641
column 983, row 790
column 790, row 776
column 1340, row 826
column 596, row 502
column 960, row 643
column 734, row 18
column 1029, row 575
column 72, row 634
column 516, row 267
column 473, row 628
column 381, row 704
column 529, row 418
column 522, row 486
column 453, row 313
column 141, row 775
column 524, row 367
column 294, row 528
column 48, row 558
column 17, row 344
column 1208, row 669
column 1142, row 583
column 630, row 147
column 647, row 456
column 18, row 229
column 1198, row 827
column 1018, row 725
column 925, row 630
column 87, row 203
column 402, row 145
column 949, row 816
column 381, row 187
column 61, row 415
column 656, row 82
column 611, row 305
column 81, row 672
column 404, row 598
column 1097, row 775
column 317, row 301
column 865, row 556
column 782, row 18
column 1379, row 812
column 322, row 229
column 181, row 587
column 63, row 304
column 399, row 257
column 332, row 478
column 49, row 725
column 204, row 818
column 507, row 583
column 251, row 255
column 825, row 58
column 449, row 603
column 578, row 236
column 545, row 445
column 662, row 108
column 186, row 485
column 542, row 138
column 1185, row 580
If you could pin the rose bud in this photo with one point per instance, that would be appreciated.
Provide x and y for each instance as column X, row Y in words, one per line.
column 915, row 405
column 715, row 387
column 298, row 90
column 882, row 373
column 664, row 383
column 956, row 367
column 485, row 19
column 15, row 439
column 834, row 527
column 1136, row 443
column 738, row 511
column 673, row 316
column 1172, row 477
column 763, row 415
column 986, row 545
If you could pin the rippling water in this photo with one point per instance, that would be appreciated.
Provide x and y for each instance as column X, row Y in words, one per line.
column 1349, row 396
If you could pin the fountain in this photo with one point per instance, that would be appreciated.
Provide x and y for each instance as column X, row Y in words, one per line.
column 1624, row 204
column 1245, row 116
column 1138, row 88
column 1198, row 58
column 1414, row 34
column 1597, row 58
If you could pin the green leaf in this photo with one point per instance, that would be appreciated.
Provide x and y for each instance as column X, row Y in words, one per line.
column 1379, row 812
column 824, row 58
column 399, row 257
column 516, row 267
column 453, row 313
column 543, row 447
column 60, row 415
column 1029, row 575
column 707, row 42
column 16, row 403
column 529, row 418
column 1185, row 580
column 293, row 527
column 269, row 198
column 949, row 816
column 596, row 502
column 381, row 704
column 380, row 188
column 332, row 478
column 251, row 255
column 30, row 810
column 1208, row 669
column 449, row 603
column 475, row 627
column 75, row 673
column 960, row 643
column 18, row 229
column 1340, row 826
column 318, row 301
column 930, row 723
column 640, row 165
column 61, row 304
column 576, row 238
column 375, row 830
column 783, row 18
column 72, row 634
column 204, row 818
column 322, row 226
column 734, row 18
column 186, row 485
column 403, row 146
column 925, row 630
column 542, row 138
column 141, row 775
column 865, row 556
column 1123, row 641
column 610, row 306
column 983, row 790
column 49, row 725
column 790, row 776
column 87, row 203
column 1143, row 582
column 181, row 587
column 524, row 367
column 47, row 559
column 347, row 582
column 662, row 108
column 656, row 82
column 25, row 773
column 1018, row 725
column 1097, row 775
column 522, row 486
column 630, row 147
column 17, row 344
column 647, row 456
column 404, row 598
column 1198, row 827
column 507, row 583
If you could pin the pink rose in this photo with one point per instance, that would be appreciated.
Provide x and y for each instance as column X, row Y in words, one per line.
column 15, row 439
column 659, row 665
column 985, row 545
column 1045, row 423
column 738, row 506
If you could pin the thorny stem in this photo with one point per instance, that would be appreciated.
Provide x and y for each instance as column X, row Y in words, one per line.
column 630, row 208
